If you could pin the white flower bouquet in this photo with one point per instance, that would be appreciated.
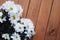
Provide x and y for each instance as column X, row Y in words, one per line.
column 12, row 26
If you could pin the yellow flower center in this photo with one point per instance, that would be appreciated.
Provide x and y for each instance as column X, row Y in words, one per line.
column 10, row 8
column 20, row 28
column 0, row 17
column 14, row 17
column 27, row 26
column 16, row 37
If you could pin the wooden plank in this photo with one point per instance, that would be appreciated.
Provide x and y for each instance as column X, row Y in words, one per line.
column 42, row 19
column 53, row 22
column 57, row 11
column 16, row 1
column 33, row 10
column 24, row 4
column 2, row 1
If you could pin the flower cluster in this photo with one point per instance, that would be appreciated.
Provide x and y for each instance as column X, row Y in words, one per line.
column 12, row 26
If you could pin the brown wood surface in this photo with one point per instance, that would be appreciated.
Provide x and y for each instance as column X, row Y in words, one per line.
column 33, row 10
column 51, row 32
column 42, row 19
column 57, row 13
column 45, row 15
column 25, row 5
column 16, row 1
column 2, row 1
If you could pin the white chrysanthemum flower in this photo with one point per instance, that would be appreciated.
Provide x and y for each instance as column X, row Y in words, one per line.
column 15, row 36
column 28, row 23
column 7, row 4
column 30, row 33
column 14, row 18
column 1, row 17
column 20, row 10
column 10, row 6
column 5, row 36
column 29, row 36
column 29, row 27
column 13, row 9
column 19, row 27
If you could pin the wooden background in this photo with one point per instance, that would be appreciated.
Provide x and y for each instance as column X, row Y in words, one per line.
column 45, row 15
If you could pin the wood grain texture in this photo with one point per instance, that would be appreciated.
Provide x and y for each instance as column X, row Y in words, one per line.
column 24, row 4
column 16, row 1
column 53, row 22
column 57, row 13
column 1, row 2
column 45, row 15
column 33, row 10
column 42, row 19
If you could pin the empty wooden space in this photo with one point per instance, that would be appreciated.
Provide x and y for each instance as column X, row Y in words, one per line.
column 45, row 15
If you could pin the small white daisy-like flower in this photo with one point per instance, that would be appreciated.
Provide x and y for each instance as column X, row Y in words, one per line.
column 5, row 36
column 28, row 23
column 15, row 36
column 13, row 9
column 1, row 17
column 29, row 27
column 20, row 10
column 7, row 4
column 14, row 18
column 10, row 6
column 30, row 33
column 19, row 27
